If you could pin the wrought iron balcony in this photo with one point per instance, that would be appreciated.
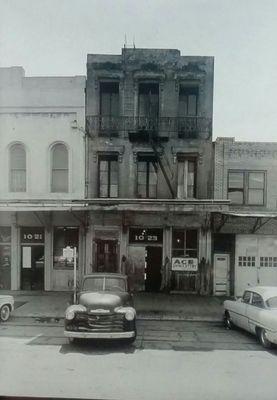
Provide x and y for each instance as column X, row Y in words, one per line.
column 140, row 128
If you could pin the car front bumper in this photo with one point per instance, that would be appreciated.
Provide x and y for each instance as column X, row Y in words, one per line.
column 100, row 335
column 271, row 336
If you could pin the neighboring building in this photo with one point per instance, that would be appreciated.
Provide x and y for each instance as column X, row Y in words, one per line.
column 245, row 239
column 150, row 168
column 42, row 163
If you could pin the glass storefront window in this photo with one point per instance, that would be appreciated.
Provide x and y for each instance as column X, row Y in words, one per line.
column 184, row 243
column 64, row 237
column 5, row 258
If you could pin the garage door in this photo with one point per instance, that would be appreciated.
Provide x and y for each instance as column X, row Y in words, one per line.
column 256, row 261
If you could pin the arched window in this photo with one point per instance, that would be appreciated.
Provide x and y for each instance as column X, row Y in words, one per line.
column 17, row 168
column 59, row 175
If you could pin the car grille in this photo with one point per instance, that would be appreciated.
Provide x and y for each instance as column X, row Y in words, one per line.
column 98, row 323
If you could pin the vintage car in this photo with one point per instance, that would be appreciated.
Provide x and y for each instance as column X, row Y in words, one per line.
column 255, row 312
column 103, row 310
column 6, row 306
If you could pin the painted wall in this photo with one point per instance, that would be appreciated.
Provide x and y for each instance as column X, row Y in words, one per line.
column 39, row 112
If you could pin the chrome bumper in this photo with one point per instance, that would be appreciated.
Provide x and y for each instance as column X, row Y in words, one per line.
column 99, row 335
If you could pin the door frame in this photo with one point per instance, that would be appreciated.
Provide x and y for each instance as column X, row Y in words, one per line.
column 228, row 273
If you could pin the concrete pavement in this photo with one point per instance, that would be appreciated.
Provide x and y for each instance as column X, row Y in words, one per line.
column 158, row 306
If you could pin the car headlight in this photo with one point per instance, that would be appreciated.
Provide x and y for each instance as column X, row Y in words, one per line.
column 70, row 314
column 130, row 315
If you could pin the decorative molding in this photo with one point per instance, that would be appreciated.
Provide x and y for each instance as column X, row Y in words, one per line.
column 251, row 153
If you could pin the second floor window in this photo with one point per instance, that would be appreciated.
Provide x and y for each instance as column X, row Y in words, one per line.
column 147, row 177
column 17, row 168
column 59, row 169
column 186, row 188
column 108, row 176
column 246, row 187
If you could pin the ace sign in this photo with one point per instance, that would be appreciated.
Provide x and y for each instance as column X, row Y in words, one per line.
column 184, row 264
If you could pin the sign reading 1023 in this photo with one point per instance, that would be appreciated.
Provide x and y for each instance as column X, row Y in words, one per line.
column 148, row 238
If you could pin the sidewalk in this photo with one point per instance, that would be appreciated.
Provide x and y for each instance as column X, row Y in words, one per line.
column 158, row 306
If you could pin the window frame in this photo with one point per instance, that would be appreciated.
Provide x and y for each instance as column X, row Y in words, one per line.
column 108, row 158
column 186, row 159
column 262, row 300
column 52, row 170
column 245, row 189
column 12, row 188
column 188, row 90
column 110, row 114
column 148, row 159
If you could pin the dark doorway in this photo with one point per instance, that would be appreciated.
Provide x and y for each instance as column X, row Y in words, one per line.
column 153, row 263
column 106, row 255
column 32, row 267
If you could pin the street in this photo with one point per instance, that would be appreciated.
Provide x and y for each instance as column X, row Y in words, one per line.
column 169, row 360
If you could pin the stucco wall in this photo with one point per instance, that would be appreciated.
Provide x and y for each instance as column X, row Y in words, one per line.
column 39, row 112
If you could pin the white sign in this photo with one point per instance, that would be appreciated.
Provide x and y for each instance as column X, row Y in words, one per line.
column 68, row 253
column 184, row 264
column 26, row 257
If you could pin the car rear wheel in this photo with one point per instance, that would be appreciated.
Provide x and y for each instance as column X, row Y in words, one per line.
column 263, row 339
column 227, row 321
column 5, row 313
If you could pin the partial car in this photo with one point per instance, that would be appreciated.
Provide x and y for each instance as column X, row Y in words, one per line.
column 104, row 309
column 6, row 307
column 256, row 312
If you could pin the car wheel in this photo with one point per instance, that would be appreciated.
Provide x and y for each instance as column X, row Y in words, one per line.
column 5, row 313
column 227, row 321
column 263, row 339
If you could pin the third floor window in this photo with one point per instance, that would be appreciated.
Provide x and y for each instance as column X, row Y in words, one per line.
column 188, row 101
column 246, row 187
column 109, row 99
column 149, row 100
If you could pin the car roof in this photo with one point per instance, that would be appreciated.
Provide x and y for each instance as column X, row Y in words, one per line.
column 105, row 274
column 265, row 291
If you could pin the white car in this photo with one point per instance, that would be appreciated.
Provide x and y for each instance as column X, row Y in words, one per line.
column 255, row 312
column 6, row 306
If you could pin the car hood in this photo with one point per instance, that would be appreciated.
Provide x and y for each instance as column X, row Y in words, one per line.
column 103, row 300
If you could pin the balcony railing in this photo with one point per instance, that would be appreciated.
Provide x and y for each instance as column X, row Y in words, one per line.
column 163, row 127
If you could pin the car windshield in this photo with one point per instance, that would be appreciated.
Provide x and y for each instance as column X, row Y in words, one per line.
column 104, row 283
column 272, row 302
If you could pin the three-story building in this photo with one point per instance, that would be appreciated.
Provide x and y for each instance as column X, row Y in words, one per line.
column 149, row 179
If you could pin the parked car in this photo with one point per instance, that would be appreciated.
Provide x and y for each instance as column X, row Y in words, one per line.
column 6, row 307
column 103, row 310
column 255, row 312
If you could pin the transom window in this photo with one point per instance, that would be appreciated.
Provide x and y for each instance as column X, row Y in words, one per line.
column 147, row 177
column 59, row 176
column 108, row 176
column 246, row 187
column 17, row 168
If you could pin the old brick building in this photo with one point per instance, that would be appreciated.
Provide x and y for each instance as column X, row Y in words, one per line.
column 149, row 182
column 245, row 237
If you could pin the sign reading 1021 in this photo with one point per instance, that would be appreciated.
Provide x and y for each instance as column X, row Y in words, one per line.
column 184, row 264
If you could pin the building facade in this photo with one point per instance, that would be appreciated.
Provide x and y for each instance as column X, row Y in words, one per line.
column 42, row 163
column 245, row 237
column 150, row 168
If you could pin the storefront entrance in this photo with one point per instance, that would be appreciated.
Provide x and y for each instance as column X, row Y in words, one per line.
column 32, row 267
column 32, row 258
column 153, row 262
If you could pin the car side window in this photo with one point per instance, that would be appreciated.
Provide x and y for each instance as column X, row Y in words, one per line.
column 257, row 300
column 246, row 297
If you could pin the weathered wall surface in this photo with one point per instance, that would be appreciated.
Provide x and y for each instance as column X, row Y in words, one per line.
column 168, row 68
